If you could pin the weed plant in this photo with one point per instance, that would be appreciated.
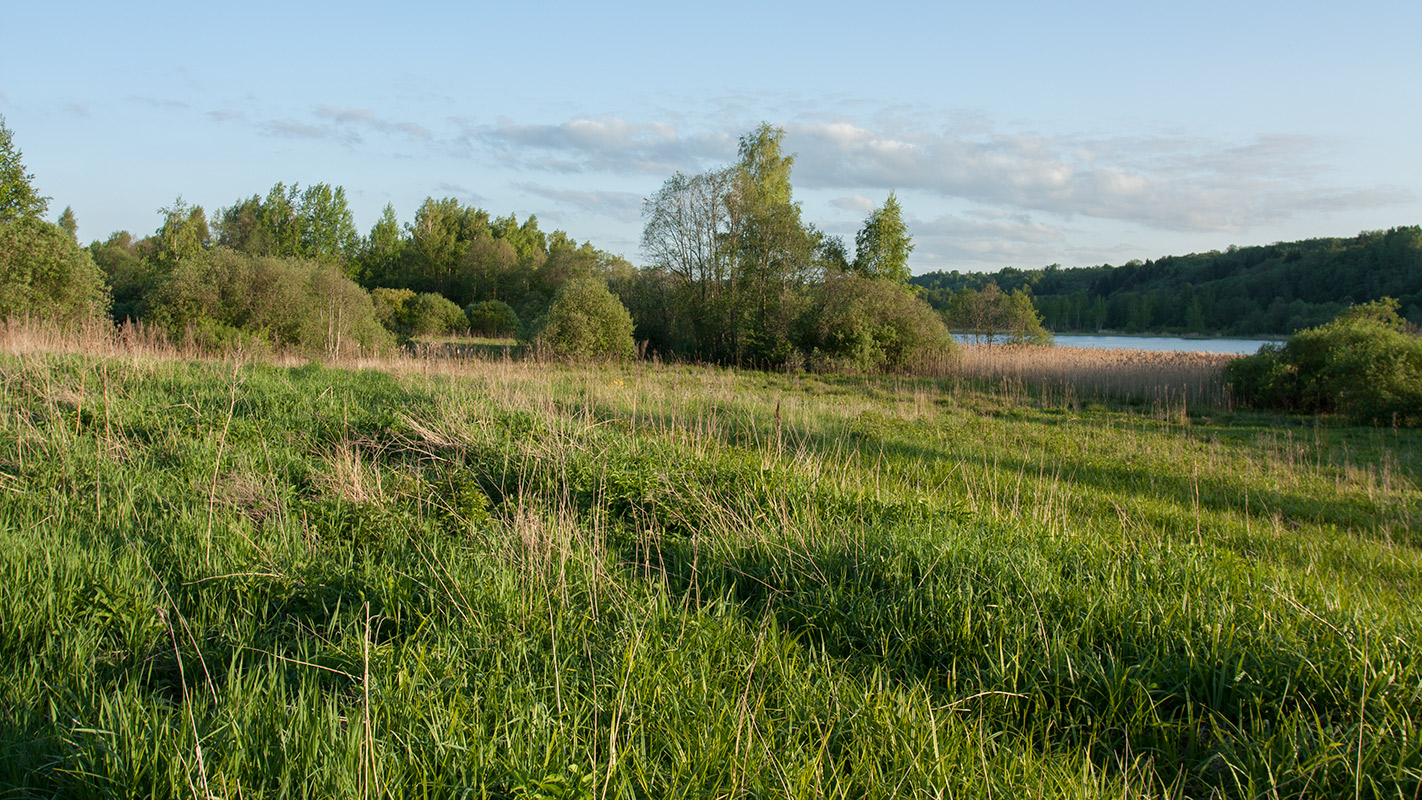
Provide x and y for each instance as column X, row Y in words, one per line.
column 512, row 579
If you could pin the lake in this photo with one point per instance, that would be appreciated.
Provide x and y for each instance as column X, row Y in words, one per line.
column 1104, row 342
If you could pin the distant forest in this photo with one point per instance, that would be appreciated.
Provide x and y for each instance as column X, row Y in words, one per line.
column 1244, row 291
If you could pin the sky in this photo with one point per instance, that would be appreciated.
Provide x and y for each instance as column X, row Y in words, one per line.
column 1013, row 133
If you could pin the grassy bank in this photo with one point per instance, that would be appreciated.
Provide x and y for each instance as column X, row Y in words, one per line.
column 562, row 581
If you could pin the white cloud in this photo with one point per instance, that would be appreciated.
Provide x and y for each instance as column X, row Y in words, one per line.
column 605, row 144
column 858, row 204
column 367, row 118
column 623, row 206
column 461, row 193
column 1183, row 184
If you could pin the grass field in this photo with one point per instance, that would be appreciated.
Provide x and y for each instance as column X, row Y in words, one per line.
column 513, row 579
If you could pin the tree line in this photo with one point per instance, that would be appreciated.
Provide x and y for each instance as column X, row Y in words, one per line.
column 735, row 275
column 1251, row 291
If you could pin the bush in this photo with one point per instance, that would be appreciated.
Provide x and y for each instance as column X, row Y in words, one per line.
column 1367, row 364
column 586, row 320
column 492, row 318
column 390, row 308
column 45, row 274
column 430, row 314
column 873, row 324
column 223, row 298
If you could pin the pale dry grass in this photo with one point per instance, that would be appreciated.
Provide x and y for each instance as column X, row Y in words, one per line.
column 1169, row 380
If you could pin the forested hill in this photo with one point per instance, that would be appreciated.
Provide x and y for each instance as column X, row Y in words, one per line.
column 1264, row 290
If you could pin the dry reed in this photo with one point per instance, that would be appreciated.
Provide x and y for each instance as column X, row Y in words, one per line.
column 1170, row 380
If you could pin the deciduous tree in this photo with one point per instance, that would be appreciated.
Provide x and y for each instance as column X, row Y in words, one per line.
column 18, row 198
column 882, row 246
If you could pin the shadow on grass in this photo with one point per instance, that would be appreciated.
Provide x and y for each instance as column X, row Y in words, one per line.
column 1051, row 664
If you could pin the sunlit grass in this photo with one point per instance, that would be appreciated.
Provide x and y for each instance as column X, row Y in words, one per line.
column 542, row 580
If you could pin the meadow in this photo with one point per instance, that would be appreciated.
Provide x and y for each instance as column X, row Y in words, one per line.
column 441, row 577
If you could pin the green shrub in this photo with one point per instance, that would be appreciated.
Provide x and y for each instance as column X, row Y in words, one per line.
column 492, row 318
column 45, row 274
column 873, row 324
column 430, row 314
column 390, row 308
column 1367, row 364
column 587, row 320
column 282, row 302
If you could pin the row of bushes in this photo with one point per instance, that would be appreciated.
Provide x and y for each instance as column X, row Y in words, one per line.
column 225, row 299
column 1366, row 363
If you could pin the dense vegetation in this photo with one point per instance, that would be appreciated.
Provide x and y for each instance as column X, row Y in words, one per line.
column 1367, row 364
column 736, row 275
column 547, row 581
column 1266, row 290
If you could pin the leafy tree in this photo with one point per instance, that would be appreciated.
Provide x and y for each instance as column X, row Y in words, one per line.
column 44, row 273
column 587, row 320
column 874, row 324
column 492, row 318
column 129, row 276
column 882, row 246
column 328, row 231
column 490, row 270
column 224, row 298
column 991, row 314
column 312, row 223
column 18, row 199
column 772, row 250
column 69, row 224
column 184, row 233
column 1366, row 363
column 380, row 259
column 390, row 308
column 430, row 314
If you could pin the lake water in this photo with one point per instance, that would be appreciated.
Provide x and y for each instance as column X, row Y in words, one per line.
column 1247, row 346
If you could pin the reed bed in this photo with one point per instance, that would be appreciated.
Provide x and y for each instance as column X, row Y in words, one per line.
column 1169, row 380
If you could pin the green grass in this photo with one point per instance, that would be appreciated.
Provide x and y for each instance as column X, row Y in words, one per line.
column 509, row 579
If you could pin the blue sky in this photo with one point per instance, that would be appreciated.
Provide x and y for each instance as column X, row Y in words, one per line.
column 1015, row 134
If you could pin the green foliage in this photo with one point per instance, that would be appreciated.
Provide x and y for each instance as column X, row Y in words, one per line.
column 873, row 324
column 18, row 198
column 992, row 315
column 587, row 320
column 1366, row 364
column 666, row 582
column 383, row 250
column 882, row 246
column 69, row 224
column 429, row 314
column 314, row 223
column 129, row 276
column 390, row 305
column 45, row 274
column 492, row 318
column 223, row 296
column 1264, row 290
column 183, row 235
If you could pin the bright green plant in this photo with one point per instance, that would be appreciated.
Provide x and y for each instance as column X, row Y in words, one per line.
column 284, row 302
column 430, row 314
column 874, row 324
column 45, row 274
column 1366, row 364
column 587, row 320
